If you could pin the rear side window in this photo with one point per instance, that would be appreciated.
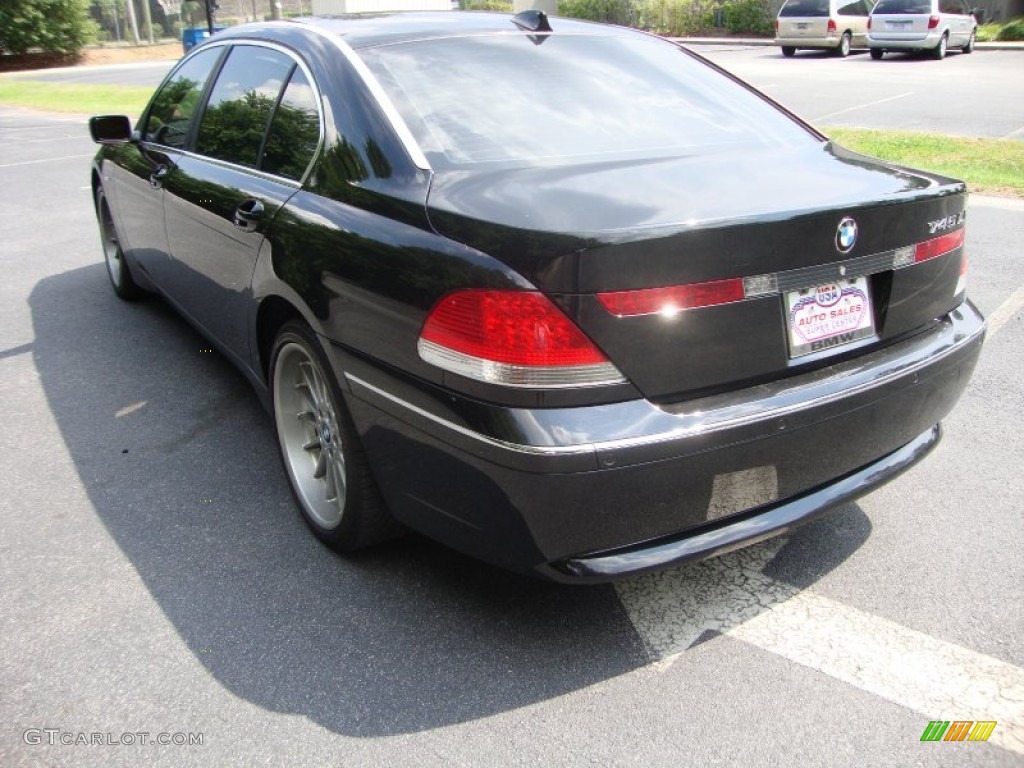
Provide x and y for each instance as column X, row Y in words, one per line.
column 294, row 131
column 952, row 6
column 903, row 6
column 805, row 8
column 241, row 103
column 173, row 109
column 856, row 8
column 556, row 100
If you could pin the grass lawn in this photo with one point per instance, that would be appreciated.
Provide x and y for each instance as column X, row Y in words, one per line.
column 989, row 166
column 65, row 97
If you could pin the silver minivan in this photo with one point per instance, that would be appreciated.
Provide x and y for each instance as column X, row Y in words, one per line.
column 835, row 25
column 921, row 25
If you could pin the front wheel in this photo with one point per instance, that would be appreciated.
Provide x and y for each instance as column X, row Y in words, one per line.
column 877, row 53
column 117, row 270
column 843, row 50
column 939, row 51
column 788, row 51
column 321, row 452
column 969, row 48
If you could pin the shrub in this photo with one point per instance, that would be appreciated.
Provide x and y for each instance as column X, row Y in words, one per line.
column 750, row 16
column 623, row 12
column 987, row 32
column 60, row 27
column 1012, row 30
column 489, row 5
column 677, row 17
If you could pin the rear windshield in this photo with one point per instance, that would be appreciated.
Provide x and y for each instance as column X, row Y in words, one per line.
column 525, row 100
column 903, row 6
column 805, row 8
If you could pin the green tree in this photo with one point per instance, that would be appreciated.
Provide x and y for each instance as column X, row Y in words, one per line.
column 56, row 26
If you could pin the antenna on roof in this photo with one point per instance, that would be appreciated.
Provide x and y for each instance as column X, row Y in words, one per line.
column 533, row 21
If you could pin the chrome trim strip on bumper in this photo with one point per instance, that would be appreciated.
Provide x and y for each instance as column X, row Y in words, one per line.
column 752, row 406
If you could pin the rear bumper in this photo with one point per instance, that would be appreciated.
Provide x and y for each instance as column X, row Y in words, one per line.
column 905, row 42
column 595, row 493
column 808, row 43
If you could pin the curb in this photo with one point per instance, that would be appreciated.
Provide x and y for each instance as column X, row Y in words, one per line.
column 767, row 42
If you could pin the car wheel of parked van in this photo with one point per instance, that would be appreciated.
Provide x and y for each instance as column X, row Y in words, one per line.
column 939, row 51
column 877, row 53
column 844, row 46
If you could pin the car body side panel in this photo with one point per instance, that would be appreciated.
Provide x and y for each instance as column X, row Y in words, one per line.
column 212, row 259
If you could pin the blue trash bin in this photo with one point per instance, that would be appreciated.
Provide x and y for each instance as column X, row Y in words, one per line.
column 192, row 37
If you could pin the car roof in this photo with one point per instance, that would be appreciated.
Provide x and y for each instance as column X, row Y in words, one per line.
column 365, row 30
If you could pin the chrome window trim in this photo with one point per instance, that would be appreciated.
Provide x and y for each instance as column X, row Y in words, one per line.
column 387, row 106
column 245, row 168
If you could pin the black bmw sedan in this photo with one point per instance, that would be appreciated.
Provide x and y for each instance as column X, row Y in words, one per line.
column 563, row 296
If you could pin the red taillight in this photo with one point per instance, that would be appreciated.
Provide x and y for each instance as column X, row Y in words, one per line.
column 514, row 338
column 933, row 22
column 776, row 26
column 937, row 246
column 668, row 301
column 831, row 26
column 869, row 22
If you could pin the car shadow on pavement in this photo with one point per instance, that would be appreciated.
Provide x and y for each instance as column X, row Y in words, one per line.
column 179, row 462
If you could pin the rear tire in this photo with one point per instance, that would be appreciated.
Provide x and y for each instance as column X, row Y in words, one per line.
column 877, row 53
column 788, row 51
column 117, row 269
column 939, row 51
column 843, row 49
column 969, row 48
column 326, row 466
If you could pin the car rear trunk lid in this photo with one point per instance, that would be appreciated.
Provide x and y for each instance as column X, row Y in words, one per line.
column 770, row 222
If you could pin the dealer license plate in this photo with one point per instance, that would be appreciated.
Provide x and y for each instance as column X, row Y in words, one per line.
column 828, row 316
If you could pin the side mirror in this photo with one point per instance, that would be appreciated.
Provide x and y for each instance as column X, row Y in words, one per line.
column 978, row 14
column 110, row 129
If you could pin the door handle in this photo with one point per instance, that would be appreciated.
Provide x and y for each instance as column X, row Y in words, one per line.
column 156, row 178
column 248, row 215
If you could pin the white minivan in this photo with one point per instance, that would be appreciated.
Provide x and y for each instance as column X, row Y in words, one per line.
column 921, row 25
column 835, row 25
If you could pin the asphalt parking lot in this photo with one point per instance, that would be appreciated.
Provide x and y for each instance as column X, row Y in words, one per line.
column 157, row 579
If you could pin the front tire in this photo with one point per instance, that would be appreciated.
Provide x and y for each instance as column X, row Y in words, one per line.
column 969, row 48
column 877, row 53
column 320, row 449
column 117, row 269
column 939, row 51
column 843, row 49
column 788, row 51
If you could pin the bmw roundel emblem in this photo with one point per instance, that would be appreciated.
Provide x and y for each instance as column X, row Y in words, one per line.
column 846, row 235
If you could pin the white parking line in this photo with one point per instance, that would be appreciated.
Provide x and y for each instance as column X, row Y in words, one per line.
column 1005, row 311
column 45, row 160
column 862, row 106
column 732, row 595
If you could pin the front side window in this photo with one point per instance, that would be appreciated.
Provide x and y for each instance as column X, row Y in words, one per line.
column 569, row 99
column 241, row 102
column 903, row 6
column 173, row 109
